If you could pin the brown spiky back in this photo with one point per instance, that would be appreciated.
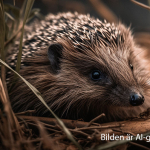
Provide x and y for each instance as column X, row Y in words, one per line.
column 78, row 28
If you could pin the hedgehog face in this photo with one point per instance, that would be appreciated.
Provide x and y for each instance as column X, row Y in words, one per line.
column 97, row 75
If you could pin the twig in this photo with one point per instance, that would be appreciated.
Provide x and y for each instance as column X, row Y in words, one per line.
column 47, row 128
column 32, row 141
column 79, row 132
column 100, row 127
column 93, row 120
column 25, row 112
column 140, row 4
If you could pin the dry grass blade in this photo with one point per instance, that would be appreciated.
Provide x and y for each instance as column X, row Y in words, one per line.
column 37, row 93
column 140, row 4
column 13, row 36
column 7, row 107
column 2, row 29
column 8, row 122
column 2, row 40
column 48, row 142
column 13, row 22
column 9, row 16
column 27, row 12
column 148, row 2
column 33, row 13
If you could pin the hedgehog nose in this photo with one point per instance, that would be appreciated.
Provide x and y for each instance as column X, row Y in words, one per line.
column 136, row 99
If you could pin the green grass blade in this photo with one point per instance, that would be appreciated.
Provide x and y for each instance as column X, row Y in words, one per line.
column 9, row 16
column 33, row 13
column 15, row 11
column 38, row 94
column 22, row 10
column 2, row 30
column 27, row 12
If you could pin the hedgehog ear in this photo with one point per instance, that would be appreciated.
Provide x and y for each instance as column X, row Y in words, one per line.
column 54, row 55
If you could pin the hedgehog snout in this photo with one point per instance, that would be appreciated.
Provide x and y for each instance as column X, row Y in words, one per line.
column 136, row 99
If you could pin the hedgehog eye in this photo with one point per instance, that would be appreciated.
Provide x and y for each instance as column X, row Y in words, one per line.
column 97, row 75
column 131, row 66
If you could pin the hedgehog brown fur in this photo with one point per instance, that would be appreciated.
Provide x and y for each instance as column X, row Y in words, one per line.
column 59, row 58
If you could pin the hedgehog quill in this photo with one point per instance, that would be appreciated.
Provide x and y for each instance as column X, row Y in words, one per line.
column 83, row 67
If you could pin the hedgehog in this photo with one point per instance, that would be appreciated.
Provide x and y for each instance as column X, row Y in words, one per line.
column 82, row 67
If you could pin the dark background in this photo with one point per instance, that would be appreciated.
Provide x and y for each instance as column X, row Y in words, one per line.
column 138, row 18
column 125, row 10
